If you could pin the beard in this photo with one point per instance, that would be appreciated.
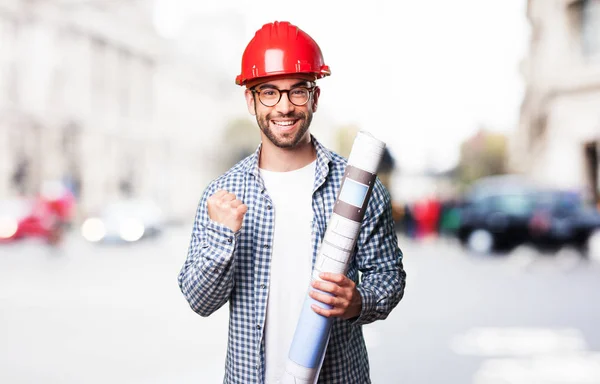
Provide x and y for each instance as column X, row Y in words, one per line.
column 288, row 139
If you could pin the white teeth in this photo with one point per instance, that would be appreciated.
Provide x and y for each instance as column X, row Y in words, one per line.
column 284, row 123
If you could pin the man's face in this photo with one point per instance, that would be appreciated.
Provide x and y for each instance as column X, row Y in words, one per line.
column 284, row 124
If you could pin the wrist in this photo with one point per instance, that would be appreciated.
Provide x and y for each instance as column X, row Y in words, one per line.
column 356, row 304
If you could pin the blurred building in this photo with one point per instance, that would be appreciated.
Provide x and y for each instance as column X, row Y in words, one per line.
column 558, row 140
column 197, row 100
column 77, row 97
column 91, row 95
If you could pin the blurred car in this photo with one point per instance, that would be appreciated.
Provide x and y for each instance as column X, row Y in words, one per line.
column 45, row 216
column 496, row 213
column 13, row 217
column 562, row 218
column 124, row 221
column 26, row 218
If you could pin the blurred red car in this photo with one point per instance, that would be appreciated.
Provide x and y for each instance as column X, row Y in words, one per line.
column 45, row 216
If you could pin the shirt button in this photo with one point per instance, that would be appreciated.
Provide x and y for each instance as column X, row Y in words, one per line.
column 256, row 366
column 229, row 240
column 266, row 246
column 217, row 270
column 269, row 207
column 263, row 286
column 257, row 326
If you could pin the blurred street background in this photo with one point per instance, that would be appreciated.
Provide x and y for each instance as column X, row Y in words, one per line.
column 87, row 314
column 115, row 115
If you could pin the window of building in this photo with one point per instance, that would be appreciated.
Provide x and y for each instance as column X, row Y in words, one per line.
column 98, row 74
column 9, row 78
column 592, row 162
column 590, row 27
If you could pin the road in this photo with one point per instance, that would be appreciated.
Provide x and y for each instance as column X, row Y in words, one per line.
column 114, row 314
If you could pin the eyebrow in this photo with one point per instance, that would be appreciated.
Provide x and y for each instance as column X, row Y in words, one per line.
column 271, row 86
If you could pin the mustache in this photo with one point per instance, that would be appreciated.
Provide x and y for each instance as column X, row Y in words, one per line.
column 292, row 115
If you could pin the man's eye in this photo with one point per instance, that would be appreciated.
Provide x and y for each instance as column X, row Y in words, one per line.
column 268, row 92
column 298, row 92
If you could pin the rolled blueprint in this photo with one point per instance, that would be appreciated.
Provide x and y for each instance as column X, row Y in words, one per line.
column 312, row 331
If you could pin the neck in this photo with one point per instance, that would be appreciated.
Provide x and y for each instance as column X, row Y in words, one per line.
column 273, row 158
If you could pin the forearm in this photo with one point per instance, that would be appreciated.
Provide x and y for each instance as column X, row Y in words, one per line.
column 207, row 278
column 379, row 258
column 380, row 293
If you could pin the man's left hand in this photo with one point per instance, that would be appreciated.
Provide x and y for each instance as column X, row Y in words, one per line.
column 346, row 300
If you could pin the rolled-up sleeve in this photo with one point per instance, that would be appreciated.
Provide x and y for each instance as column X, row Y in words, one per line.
column 379, row 259
column 206, row 279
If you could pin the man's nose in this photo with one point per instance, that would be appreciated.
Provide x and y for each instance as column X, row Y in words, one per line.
column 284, row 106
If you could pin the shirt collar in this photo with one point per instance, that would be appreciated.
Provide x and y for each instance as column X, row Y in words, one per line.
column 324, row 157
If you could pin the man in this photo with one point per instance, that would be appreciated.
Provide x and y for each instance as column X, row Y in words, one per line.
column 258, row 228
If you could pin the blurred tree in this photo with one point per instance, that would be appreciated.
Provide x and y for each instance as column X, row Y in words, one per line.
column 484, row 154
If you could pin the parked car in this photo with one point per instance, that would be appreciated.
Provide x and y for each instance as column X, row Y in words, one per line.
column 13, row 214
column 502, row 212
column 562, row 218
column 124, row 221
column 46, row 215
column 496, row 213
column 28, row 218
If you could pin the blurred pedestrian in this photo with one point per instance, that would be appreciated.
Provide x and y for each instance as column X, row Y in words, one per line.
column 258, row 228
column 426, row 214
column 449, row 220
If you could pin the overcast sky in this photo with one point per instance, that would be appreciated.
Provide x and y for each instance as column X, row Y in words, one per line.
column 421, row 75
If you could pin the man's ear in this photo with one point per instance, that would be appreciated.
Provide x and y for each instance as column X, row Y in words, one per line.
column 316, row 94
column 250, row 102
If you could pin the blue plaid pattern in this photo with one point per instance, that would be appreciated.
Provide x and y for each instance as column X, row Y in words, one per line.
column 225, row 266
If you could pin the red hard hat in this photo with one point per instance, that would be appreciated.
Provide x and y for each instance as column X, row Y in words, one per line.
column 281, row 48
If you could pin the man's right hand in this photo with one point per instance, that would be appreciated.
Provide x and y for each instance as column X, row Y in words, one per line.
column 224, row 208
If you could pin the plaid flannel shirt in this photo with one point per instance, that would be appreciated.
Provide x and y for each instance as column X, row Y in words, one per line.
column 225, row 266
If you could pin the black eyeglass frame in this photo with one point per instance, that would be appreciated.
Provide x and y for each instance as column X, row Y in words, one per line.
column 281, row 92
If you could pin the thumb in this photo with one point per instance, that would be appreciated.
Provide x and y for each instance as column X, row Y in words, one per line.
column 242, row 209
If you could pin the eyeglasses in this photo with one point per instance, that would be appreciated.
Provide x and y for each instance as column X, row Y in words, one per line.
column 269, row 97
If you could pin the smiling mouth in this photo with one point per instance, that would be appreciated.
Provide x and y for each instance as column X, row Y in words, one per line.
column 284, row 124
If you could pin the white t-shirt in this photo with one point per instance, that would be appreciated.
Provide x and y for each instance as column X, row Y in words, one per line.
column 291, row 262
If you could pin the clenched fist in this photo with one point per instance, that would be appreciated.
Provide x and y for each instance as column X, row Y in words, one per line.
column 224, row 208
